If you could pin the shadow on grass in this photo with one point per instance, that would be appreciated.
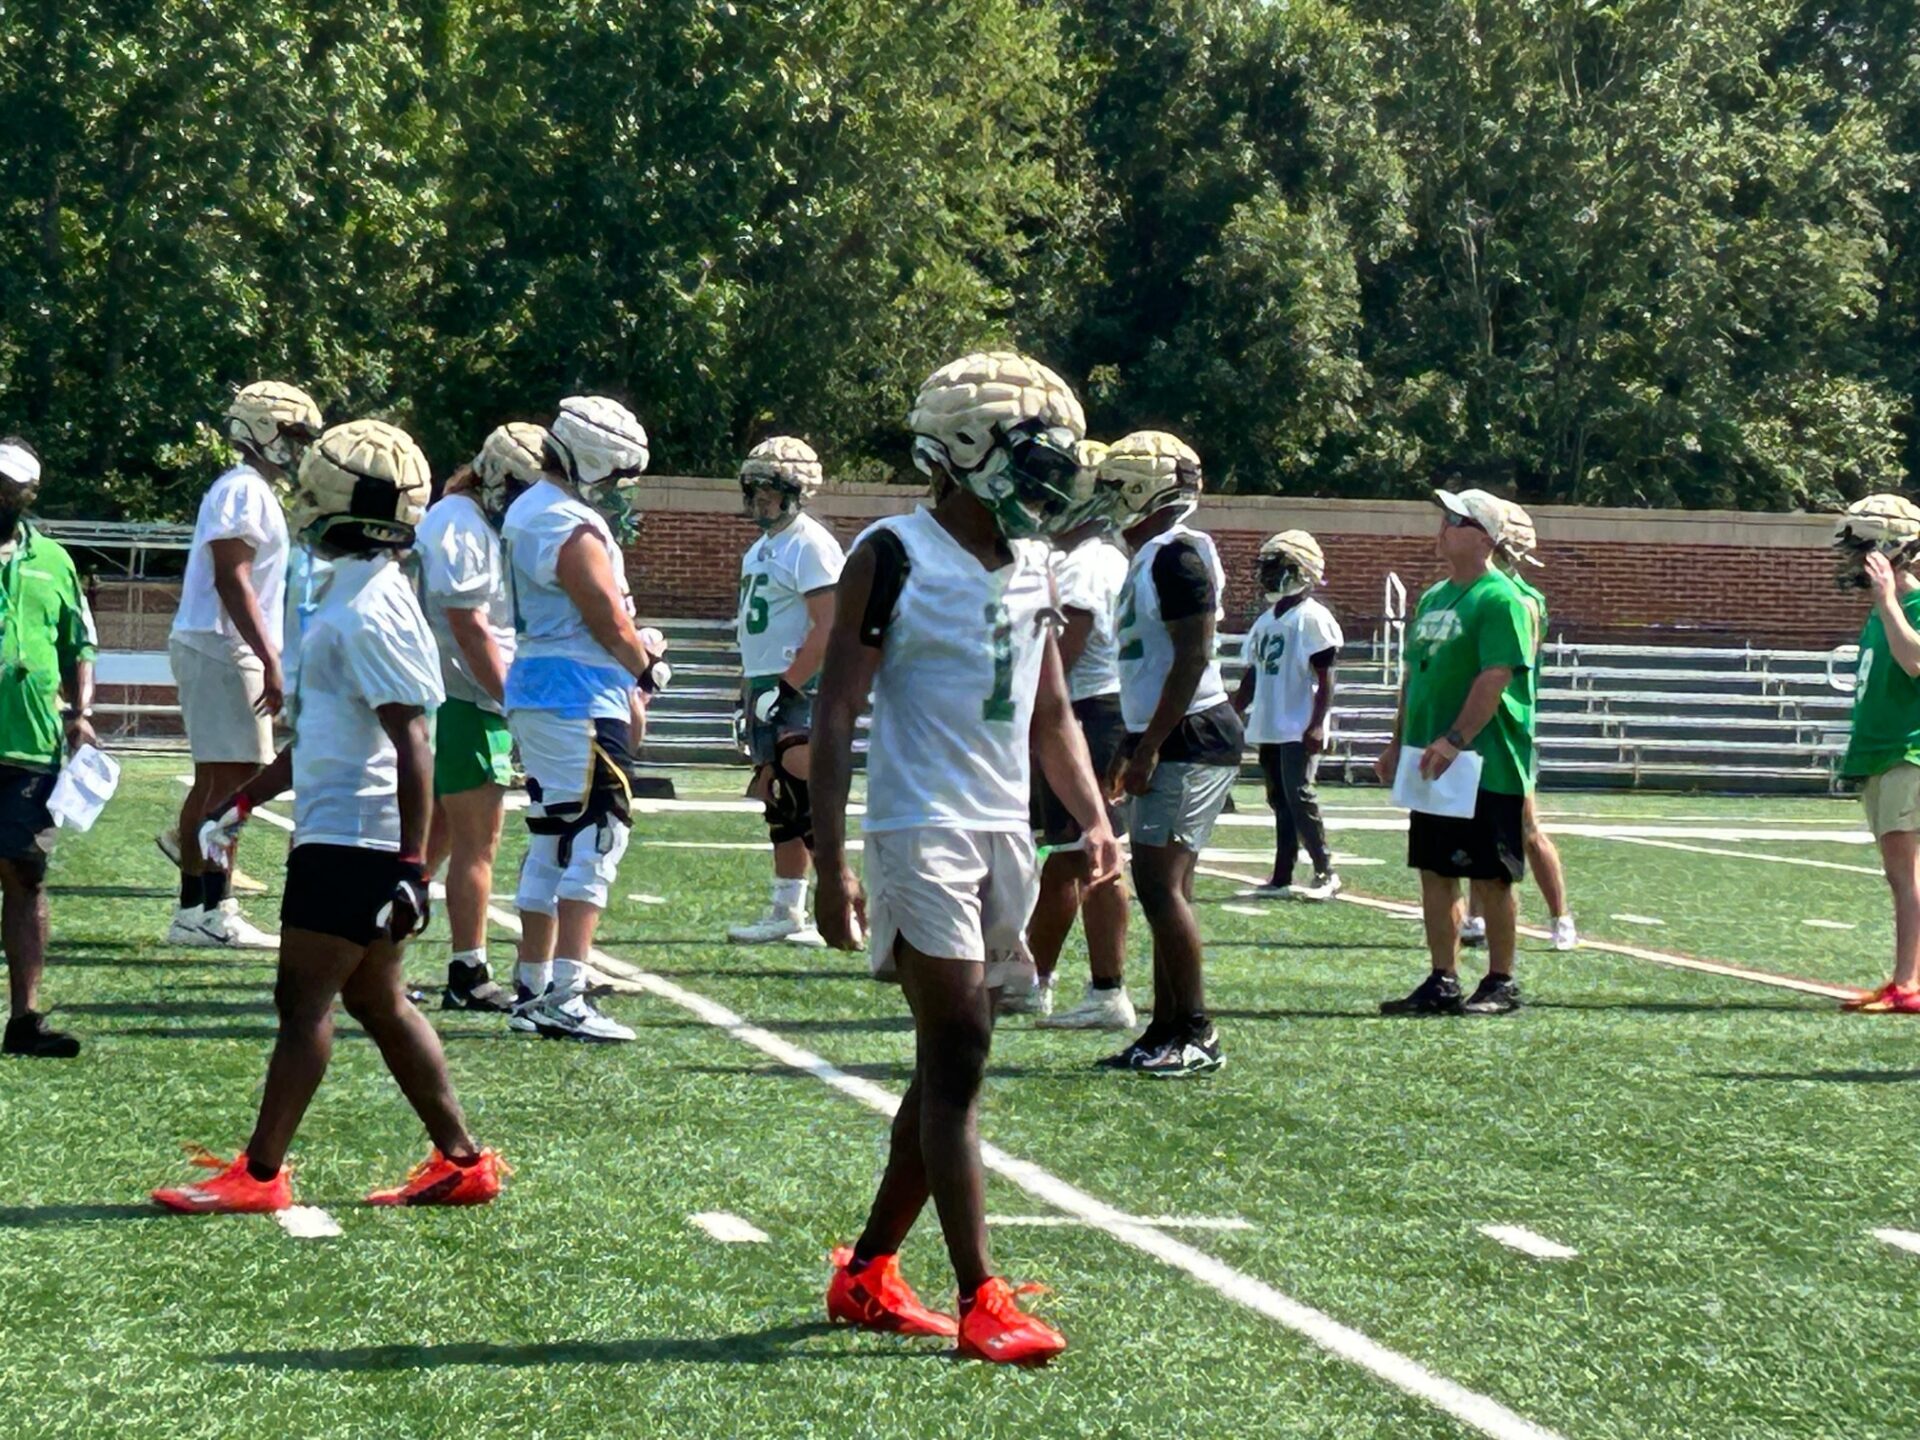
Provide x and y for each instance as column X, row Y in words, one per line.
column 166, row 1009
column 1688, row 1007
column 342, row 1030
column 894, row 1070
column 34, row 1217
column 114, row 892
column 856, row 971
column 1831, row 1077
column 753, row 1347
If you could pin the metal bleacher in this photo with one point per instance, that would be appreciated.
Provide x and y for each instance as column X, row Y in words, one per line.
column 1611, row 716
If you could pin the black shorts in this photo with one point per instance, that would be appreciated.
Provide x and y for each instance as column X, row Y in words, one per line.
column 338, row 890
column 1100, row 722
column 1490, row 846
column 26, row 825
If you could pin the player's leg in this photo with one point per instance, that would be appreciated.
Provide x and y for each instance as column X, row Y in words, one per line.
column 473, row 827
column 313, row 968
column 202, row 919
column 24, row 925
column 1300, row 770
column 1286, row 845
column 229, row 740
column 1056, row 910
column 1900, row 857
column 1543, row 857
column 1499, row 865
column 781, row 754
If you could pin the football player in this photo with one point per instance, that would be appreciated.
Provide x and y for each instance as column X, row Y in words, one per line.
column 225, row 645
column 577, row 659
column 1877, row 544
column 1286, row 693
column 786, row 605
column 1184, row 737
column 463, row 581
column 364, row 677
column 1471, row 639
column 1518, row 542
column 1088, row 572
column 946, row 616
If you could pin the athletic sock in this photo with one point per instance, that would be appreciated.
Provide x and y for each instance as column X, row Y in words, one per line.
column 464, row 1161
column 859, row 1262
column 569, row 977
column 258, row 1172
column 535, row 977
column 469, row 960
column 790, row 896
column 1113, row 984
column 213, row 889
column 190, row 891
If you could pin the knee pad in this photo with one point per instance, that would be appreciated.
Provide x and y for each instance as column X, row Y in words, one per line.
column 592, row 860
column 539, row 889
column 789, row 807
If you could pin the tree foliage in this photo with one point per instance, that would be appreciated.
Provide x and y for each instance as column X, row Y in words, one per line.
column 1653, row 252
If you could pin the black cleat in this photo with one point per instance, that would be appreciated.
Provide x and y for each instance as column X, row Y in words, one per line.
column 1151, row 1040
column 1438, row 994
column 27, row 1034
column 1496, row 995
column 1191, row 1054
column 471, row 987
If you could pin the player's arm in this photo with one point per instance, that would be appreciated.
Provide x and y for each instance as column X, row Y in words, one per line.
column 813, row 650
column 74, row 644
column 1387, row 762
column 233, row 583
column 1323, row 668
column 1061, row 746
column 1902, row 641
column 1482, row 700
column 1073, row 637
column 586, row 576
column 1249, row 677
column 477, row 647
column 846, row 678
column 1192, row 639
column 220, row 832
column 406, row 727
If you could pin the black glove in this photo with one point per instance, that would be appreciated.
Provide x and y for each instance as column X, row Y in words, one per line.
column 411, row 907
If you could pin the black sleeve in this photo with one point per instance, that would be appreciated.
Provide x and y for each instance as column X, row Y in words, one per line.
column 1183, row 581
column 890, row 567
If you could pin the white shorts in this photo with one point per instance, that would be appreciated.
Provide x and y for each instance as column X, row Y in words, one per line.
column 959, row 894
column 217, row 696
column 568, row 760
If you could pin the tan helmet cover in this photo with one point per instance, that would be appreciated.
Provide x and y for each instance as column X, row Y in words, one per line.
column 1888, row 524
column 515, row 454
column 784, row 460
column 274, row 418
column 1148, row 471
column 365, row 473
column 1518, row 538
column 963, row 403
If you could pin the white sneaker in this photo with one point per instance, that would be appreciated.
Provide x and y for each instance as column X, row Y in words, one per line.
column 809, row 937
column 774, row 925
column 222, row 929
column 1565, row 937
column 1473, row 930
column 1097, row 1010
column 1036, row 1001
column 572, row 1017
column 1324, row 887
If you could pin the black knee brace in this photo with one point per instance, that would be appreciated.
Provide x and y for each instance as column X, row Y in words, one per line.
column 789, row 806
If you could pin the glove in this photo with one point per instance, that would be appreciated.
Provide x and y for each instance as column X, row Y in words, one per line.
column 411, row 907
column 220, row 832
column 769, row 703
column 740, row 728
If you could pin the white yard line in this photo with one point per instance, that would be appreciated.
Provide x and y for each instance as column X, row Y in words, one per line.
column 1743, row 854
column 1253, row 910
column 1633, row 952
column 1829, row 924
column 1158, row 1222
column 648, row 899
column 728, row 1229
column 1518, row 1237
column 1899, row 1239
column 1480, row 1412
column 307, row 1222
column 1626, row 919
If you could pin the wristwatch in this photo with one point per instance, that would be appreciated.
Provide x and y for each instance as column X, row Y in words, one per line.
column 1453, row 738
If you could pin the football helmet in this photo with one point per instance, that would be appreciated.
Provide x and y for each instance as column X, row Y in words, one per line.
column 1291, row 564
column 1003, row 427
column 784, row 463
column 362, row 486
column 275, row 421
column 1147, row 472
column 1889, row 524
column 512, row 458
column 602, row 449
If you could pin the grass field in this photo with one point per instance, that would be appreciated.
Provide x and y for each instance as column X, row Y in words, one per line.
column 1716, row 1151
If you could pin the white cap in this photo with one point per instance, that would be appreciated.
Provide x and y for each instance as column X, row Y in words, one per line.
column 18, row 466
column 1489, row 512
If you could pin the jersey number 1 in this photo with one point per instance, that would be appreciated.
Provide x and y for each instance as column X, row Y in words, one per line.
column 998, row 706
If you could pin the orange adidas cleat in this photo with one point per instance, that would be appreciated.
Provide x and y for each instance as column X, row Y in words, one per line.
column 232, row 1192
column 878, row 1298
column 438, row 1181
column 995, row 1328
column 1889, row 999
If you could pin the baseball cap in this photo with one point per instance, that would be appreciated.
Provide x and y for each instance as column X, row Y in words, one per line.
column 1489, row 512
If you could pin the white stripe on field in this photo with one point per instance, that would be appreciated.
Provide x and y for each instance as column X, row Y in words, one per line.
column 1518, row 1237
column 1480, row 1412
column 648, row 899
column 1899, row 1239
column 1405, row 911
column 1253, row 910
column 1158, row 1222
column 728, row 1229
column 307, row 1222
column 1743, row 854
column 1637, row 919
column 1829, row 924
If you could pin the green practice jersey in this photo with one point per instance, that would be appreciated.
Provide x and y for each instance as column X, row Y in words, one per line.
column 1457, row 631
column 1886, row 701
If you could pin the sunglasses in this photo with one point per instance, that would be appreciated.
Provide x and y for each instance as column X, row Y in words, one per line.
column 1462, row 522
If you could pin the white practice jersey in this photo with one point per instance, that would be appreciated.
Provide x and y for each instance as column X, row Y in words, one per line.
column 364, row 643
column 557, row 664
column 777, row 574
column 1280, row 651
column 1090, row 577
column 240, row 506
column 1146, row 646
column 462, row 567
column 953, row 697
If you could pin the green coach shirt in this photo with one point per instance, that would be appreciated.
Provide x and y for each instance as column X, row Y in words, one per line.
column 1458, row 631
column 45, row 627
column 1886, row 701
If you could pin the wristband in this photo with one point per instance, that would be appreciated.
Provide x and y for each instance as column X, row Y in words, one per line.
column 1453, row 738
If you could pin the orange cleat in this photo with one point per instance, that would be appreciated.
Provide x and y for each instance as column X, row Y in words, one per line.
column 878, row 1298
column 1889, row 999
column 232, row 1192
column 438, row 1181
column 995, row 1328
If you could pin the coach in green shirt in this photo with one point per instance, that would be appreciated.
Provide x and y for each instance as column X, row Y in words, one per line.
column 46, row 646
column 1468, row 650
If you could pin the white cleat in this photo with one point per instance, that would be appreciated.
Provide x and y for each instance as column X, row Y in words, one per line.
column 222, row 929
column 775, row 925
column 1323, row 888
column 572, row 1017
column 1097, row 1010
column 1565, row 937
column 1036, row 1001
column 809, row 937
column 1473, row 930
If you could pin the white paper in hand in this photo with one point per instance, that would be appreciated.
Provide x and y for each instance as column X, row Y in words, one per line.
column 1453, row 794
column 87, row 781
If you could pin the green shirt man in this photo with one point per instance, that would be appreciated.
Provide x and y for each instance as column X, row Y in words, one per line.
column 1456, row 632
column 45, row 630
column 1886, row 701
